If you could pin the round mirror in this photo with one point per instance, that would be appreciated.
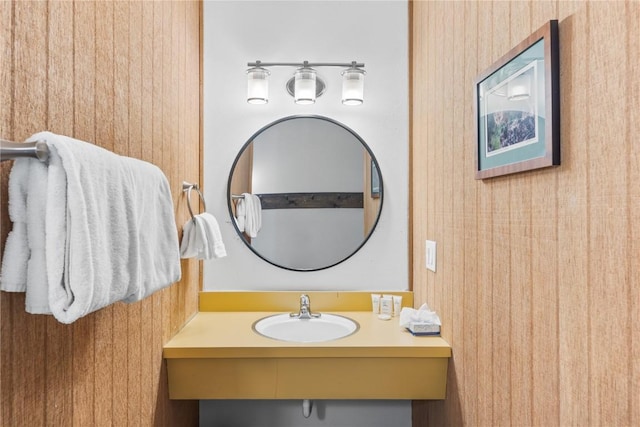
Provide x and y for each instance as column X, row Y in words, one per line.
column 319, row 188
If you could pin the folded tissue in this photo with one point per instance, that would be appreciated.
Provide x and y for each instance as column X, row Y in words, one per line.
column 422, row 321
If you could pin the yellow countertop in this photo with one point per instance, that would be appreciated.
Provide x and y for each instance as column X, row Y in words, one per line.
column 230, row 334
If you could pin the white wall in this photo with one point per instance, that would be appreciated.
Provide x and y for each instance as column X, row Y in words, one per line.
column 373, row 32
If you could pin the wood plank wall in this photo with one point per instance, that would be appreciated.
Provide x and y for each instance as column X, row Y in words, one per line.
column 538, row 275
column 126, row 76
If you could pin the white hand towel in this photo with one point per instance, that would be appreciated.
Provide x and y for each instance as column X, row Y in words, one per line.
column 110, row 230
column 214, row 237
column 194, row 240
column 253, row 214
column 201, row 238
column 204, row 245
column 240, row 214
column 189, row 246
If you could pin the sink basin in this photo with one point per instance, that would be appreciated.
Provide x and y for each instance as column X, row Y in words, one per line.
column 327, row 327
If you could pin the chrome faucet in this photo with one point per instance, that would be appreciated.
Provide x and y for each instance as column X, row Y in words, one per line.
column 305, row 309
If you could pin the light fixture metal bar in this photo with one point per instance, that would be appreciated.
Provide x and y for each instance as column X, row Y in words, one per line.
column 305, row 64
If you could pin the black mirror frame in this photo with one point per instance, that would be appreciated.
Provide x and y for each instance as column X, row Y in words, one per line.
column 251, row 140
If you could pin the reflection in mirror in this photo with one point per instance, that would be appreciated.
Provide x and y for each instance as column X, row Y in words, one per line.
column 319, row 187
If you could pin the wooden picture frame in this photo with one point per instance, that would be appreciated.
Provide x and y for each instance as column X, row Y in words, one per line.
column 517, row 108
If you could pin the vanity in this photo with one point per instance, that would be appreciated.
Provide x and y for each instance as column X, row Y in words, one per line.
column 219, row 355
column 311, row 220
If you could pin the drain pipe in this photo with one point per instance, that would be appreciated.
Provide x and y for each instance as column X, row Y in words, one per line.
column 307, row 406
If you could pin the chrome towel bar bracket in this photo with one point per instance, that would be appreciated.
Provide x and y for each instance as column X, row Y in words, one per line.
column 187, row 187
column 14, row 150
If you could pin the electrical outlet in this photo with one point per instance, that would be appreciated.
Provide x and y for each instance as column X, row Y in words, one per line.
column 430, row 251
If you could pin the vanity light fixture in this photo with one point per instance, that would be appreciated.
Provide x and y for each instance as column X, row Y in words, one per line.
column 257, row 85
column 305, row 85
column 353, row 85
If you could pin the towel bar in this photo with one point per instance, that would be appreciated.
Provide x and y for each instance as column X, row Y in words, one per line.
column 187, row 187
column 13, row 150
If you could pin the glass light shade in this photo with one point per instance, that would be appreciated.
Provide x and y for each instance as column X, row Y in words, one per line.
column 353, row 86
column 257, row 85
column 305, row 86
column 519, row 88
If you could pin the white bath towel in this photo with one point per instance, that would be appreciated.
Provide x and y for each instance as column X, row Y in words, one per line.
column 13, row 277
column 201, row 238
column 110, row 231
column 26, row 241
column 37, row 298
column 249, row 214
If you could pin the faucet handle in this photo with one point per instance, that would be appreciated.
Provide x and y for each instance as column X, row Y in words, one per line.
column 305, row 304
column 305, row 309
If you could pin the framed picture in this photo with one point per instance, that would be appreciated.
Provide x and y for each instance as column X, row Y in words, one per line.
column 517, row 104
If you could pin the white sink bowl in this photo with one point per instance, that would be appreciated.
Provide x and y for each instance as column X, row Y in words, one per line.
column 327, row 327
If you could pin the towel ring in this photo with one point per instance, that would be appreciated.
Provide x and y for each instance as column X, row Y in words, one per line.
column 187, row 186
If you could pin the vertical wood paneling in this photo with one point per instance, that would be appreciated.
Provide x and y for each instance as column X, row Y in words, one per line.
column 135, row 150
column 159, row 319
column 176, row 52
column 182, row 113
column 469, row 270
column 167, row 137
column 546, row 286
column 6, row 128
column 124, row 75
column 608, row 211
column 485, row 249
column 84, row 128
column 119, row 364
column 60, row 119
column 454, row 248
column 633, row 200
column 437, row 147
column 6, row 97
column 30, row 53
column 444, row 203
column 419, row 151
column 147, row 404
column 29, row 105
column 573, row 223
column 520, row 283
column 501, row 259
column 414, row 39
column 422, row 18
column 194, row 173
column 544, row 273
column 103, row 407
